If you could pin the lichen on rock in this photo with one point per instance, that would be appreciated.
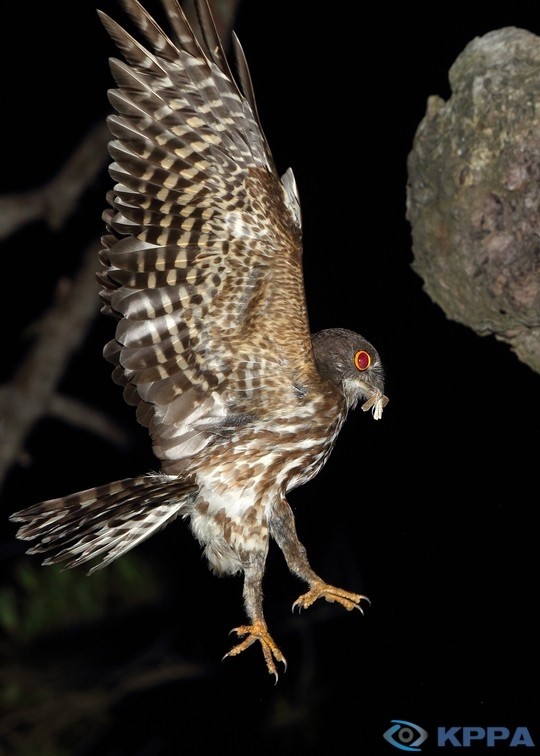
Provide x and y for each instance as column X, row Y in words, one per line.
column 473, row 193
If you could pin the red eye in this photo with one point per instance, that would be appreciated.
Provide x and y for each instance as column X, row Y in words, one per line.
column 362, row 360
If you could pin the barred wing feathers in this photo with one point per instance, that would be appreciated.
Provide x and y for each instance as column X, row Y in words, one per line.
column 203, row 263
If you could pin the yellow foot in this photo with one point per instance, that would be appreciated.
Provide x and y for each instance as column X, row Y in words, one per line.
column 259, row 632
column 331, row 594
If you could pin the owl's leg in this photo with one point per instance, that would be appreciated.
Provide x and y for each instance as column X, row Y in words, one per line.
column 283, row 531
column 257, row 629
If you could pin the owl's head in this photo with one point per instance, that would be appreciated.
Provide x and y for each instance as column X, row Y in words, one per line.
column 353, row 365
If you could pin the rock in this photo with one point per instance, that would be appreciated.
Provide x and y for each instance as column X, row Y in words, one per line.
column 473, row 194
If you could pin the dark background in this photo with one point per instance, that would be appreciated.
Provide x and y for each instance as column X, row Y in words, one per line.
column 430, row 512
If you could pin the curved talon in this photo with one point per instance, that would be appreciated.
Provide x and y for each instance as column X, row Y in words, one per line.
column 331, row 594
column 259, row 632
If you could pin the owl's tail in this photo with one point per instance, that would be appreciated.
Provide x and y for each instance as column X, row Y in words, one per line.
column 105, row 521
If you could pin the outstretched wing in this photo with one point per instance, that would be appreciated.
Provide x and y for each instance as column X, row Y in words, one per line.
column 203, row 265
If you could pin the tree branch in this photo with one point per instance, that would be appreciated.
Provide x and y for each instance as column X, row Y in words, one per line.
column 55, row 201
column 61, row 331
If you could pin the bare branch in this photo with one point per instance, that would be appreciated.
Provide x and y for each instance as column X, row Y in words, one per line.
column 61, row 332
column 54, row 714
column 79, row 415
column 56, row 200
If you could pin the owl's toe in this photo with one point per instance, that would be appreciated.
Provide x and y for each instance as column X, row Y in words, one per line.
column 332, row 594
column 259, row 632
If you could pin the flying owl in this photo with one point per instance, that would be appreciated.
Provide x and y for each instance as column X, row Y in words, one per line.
column 202, row 270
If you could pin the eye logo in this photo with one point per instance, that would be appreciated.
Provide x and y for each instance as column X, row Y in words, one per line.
column 405, row 735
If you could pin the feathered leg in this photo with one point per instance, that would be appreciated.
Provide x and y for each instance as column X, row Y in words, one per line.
column 283, row 531
column 257, row 630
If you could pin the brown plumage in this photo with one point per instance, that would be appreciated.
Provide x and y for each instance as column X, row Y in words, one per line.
column 201, row 266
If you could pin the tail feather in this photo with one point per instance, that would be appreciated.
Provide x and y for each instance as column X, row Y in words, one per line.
column 104, row 521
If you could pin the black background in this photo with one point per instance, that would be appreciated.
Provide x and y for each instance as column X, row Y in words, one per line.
column 430, row 512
